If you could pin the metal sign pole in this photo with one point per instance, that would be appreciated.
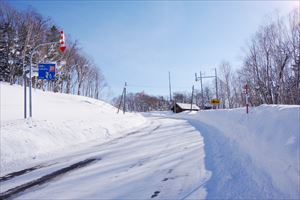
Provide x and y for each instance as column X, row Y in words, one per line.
column 247, row 102
column 217, row 95
column 124, row 105
column 30, row 78
column 25, row 94
column 30, row 84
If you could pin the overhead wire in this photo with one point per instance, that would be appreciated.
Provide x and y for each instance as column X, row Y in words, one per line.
column 155, row 87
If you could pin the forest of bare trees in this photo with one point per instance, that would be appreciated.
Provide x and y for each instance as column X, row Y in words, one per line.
column 271, row 68
column 21, row 32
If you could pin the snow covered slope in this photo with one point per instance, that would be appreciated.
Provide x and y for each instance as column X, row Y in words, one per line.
column 251, row 156
column 59, row 122
column 225, row 154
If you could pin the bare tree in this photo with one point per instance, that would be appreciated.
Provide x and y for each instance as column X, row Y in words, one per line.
column 225, row 74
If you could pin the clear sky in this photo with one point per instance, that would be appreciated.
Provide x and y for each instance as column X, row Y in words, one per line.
column 140, row 41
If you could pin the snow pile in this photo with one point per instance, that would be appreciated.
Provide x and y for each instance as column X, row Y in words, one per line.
column 59, row 122
column 269, row 135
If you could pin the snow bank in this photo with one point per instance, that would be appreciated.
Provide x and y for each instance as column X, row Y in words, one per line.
column 59, row 122
column 269, row 134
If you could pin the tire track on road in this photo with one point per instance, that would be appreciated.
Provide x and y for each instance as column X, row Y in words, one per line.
column 44, row 179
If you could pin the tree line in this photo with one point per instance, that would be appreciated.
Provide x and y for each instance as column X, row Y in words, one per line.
column 270, row 68
column 21, row 32
column 271, row 64
column 141, row 102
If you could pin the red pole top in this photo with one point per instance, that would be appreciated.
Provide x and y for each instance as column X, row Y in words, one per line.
column 62, row 42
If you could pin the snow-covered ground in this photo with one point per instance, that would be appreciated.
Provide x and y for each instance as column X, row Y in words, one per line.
column 141, row 158
column 79, row 148
column 163, row 160
column 251, row 156
column 59, row 122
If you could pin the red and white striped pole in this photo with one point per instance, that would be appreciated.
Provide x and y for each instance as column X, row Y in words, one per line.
column 62, row 43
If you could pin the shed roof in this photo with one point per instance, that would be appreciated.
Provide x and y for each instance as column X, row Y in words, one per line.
column 187, row 106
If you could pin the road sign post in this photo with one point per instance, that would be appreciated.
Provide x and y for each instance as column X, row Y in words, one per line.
column 215, row 102
column 247, row 98
column 62, row 49
column 30, row 73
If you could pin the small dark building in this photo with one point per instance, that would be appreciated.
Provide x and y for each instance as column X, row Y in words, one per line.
column 180, row 107
column 208, row 106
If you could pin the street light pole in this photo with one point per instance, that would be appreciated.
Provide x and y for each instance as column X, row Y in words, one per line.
column 25, row 93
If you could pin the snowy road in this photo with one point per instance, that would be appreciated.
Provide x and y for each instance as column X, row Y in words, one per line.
column 164, row 159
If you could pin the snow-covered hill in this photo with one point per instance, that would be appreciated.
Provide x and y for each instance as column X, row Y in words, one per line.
column 59, row 122
column 251, row 156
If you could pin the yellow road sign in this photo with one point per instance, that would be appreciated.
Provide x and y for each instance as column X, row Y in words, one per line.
column 215, row 101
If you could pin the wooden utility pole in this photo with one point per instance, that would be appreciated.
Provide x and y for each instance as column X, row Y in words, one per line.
column 192, row 97
column 197, row 79
column 123, row 99
column 124, row 105
column 217, row 95
column 202, row 96
column 202, row 77
column 170, row 87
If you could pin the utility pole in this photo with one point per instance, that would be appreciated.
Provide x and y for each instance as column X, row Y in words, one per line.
column 202, row 95
column 192, row 97
column 217, row 95
column 123, row 98
column 170, row 87
column 197, row 79
column 124, row 105
column 202, row 77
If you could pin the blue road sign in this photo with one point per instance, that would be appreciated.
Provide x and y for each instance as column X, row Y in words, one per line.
column 46, row 71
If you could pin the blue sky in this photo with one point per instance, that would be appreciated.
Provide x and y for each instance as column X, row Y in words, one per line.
column 140, row 41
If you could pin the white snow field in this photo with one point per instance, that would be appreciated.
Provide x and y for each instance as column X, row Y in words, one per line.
column 59, row 121
column 254, row 156
column 79, row 148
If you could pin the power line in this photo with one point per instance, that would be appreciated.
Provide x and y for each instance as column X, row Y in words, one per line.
column 155, row 87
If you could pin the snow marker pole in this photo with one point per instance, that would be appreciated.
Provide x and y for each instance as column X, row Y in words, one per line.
column 247, row 102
